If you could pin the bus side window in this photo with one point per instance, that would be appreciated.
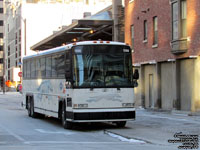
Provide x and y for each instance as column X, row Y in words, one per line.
column 53, row 65
column 33, row 68
column 48, row 66
column 24, row 69
column 38, row 73
column 28, row 69
column 67, row 59
column 43, row 70
column 60, row 62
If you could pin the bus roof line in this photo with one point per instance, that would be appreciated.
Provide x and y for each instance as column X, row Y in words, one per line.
column 66, row 47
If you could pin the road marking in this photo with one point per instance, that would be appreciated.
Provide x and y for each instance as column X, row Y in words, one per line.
column 54, row 132
column 69, row 142
column 124, row 139
column 3, row 142
column 13, row 134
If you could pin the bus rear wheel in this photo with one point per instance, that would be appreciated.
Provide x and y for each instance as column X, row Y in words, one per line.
column 66, row 124
column 29, row 106
column 33, row 113
column 121, row 124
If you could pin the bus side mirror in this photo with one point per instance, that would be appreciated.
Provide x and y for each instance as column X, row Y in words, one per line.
column 136, row 74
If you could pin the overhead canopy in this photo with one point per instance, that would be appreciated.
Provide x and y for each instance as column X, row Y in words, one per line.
column 83, row 29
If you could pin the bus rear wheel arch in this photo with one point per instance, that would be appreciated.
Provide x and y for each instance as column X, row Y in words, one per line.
column 30, row 107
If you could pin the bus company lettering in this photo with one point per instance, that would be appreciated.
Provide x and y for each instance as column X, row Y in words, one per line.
column 111, row 97
column 45, row 87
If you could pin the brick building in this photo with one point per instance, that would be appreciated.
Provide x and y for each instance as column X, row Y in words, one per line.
column 1, row 44
column 164, row 35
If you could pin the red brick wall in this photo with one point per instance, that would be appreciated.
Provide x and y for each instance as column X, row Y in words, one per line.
column 162, row 9
column 193, row 26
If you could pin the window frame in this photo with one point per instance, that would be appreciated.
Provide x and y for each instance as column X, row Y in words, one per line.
column 132, row 36
column 145, row 26
column 181, row 22
column 38, row 71
column 155, row 30
column 175, row 21
column 183, row 18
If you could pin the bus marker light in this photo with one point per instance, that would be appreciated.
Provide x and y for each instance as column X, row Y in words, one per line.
column 107, row 41
column 75, row 105
column 94, row 41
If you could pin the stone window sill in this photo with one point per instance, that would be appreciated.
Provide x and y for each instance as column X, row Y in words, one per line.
column 155, row 46
column 145, row 41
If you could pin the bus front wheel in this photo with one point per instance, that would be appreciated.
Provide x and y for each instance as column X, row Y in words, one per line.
column 66, row 124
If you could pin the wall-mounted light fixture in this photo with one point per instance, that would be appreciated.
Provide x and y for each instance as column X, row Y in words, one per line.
column 74, row 39
column 91, row 31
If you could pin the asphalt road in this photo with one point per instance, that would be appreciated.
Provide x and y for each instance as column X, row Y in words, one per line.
column 20, row 132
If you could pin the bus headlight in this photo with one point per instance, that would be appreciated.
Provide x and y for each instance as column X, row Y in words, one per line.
column 128, row 104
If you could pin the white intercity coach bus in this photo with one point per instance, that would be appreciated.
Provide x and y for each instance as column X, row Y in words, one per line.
column 89, row 81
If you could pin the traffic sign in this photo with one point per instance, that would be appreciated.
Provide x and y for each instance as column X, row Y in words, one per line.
column 20, row 74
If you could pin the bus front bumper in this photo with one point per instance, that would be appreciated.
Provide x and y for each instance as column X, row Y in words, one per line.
column 101, row 115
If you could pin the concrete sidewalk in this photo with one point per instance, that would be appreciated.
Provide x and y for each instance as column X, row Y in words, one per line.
column 9, row 93
column 157, row 128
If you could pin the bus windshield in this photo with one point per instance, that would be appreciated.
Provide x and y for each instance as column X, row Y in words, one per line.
column 102, row 66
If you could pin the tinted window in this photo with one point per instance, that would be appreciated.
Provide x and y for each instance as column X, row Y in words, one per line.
column 48, row 66
column 33, row 69
column 53, row 67
column 24, row 69
column 38, row 72
column 28, row 69
column 42, row 63
column 60, row 61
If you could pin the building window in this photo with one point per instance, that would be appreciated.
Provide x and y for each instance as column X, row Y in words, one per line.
column 1, row 10
column 8, row 74
column 175, row 21
column 145, row 30
column 1, row 35
column 8, row 50
column 155, row 30
column 183, row 19
column 8, row 62
column 1, row 60
column 16, row 38
column 16, row 52
column 1, row 48
column 19, row 50
column 20, row 35
column 1, row 22
column 132, row 36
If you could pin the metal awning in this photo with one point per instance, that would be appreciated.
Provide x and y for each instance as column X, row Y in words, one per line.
column 80, row 30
